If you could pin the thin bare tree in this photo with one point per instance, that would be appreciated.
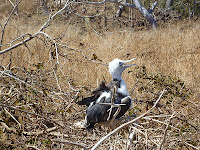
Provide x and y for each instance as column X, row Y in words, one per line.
column 168, row 3
column 136, row 4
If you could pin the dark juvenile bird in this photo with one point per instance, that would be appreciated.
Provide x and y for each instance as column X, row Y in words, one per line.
column 116, row 90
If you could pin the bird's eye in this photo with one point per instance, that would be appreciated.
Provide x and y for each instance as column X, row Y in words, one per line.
column 120, row 63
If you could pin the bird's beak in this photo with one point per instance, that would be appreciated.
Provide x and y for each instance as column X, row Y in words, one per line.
column 128, row 65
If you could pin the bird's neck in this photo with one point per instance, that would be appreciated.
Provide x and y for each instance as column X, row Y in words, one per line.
column 116, row 75
column 122, row 88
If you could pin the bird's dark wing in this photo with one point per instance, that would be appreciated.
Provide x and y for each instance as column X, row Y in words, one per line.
column 86, row 101
column 101, row 88
column 98, row 113
column 96, row 93
column 95, row 114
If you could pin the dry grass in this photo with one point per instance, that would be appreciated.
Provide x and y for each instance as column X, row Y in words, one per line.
column 170, row 55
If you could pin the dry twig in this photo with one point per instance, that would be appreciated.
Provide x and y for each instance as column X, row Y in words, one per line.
column 71, row 143
column 40, row 132
column 14, row 108
column 32, row 147
column 13, row 118
column 5, row 126
column 165, row 132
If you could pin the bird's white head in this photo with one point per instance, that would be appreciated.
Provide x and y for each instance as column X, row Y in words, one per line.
column 117, row 66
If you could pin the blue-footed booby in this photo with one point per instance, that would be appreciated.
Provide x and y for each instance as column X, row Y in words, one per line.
column 116, row 91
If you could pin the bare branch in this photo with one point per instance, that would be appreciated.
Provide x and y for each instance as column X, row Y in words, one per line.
column 51, row 17
column 34, row 114
column 111, row 1
column 13, row 117
column 34, row 35
column 155, row 120
column 164, row 136
column 5, row 126
column 15, row 7
column 16, row 45
column 7, row 73
column 197, row 148
column 151, row 10
column 32, row 147
column 146, row 13
column 40, row 132
column 137, row 4
column 11, row 3
column 168, row 4
column 119, row 11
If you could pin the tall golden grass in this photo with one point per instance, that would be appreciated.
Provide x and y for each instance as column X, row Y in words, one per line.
column 174, row 50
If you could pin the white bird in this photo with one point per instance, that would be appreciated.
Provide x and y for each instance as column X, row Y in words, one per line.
column 97, row 111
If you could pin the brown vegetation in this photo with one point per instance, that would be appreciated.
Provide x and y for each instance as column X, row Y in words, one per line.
column 40, row 83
